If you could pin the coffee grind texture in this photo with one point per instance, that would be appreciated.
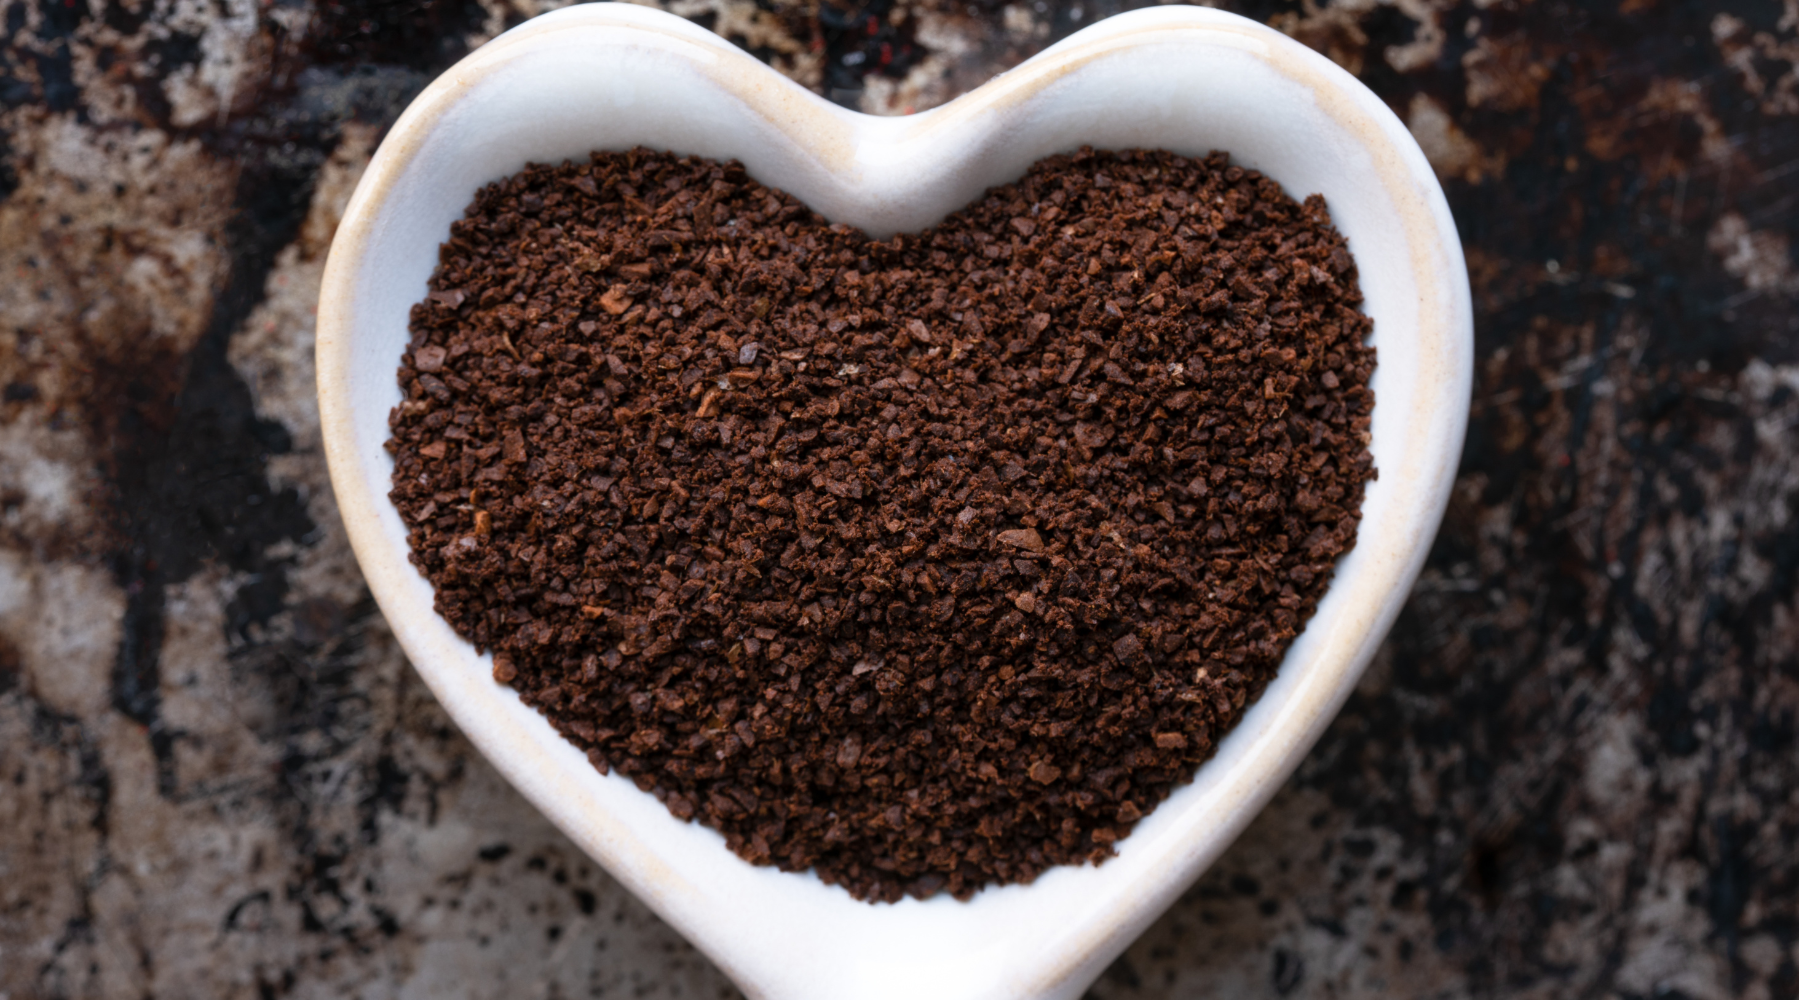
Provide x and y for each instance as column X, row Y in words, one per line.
column 924, row 563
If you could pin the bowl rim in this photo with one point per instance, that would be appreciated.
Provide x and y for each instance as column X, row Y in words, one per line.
column 624, row 852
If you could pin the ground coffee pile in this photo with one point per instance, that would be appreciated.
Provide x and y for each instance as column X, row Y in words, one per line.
column 925, row 563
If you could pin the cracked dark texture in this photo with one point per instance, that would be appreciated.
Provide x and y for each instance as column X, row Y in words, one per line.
column 1570, row 771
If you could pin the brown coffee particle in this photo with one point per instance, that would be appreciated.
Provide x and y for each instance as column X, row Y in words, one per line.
column 925, row 563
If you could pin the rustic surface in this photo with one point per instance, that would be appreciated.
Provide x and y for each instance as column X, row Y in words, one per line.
column 1570, row 772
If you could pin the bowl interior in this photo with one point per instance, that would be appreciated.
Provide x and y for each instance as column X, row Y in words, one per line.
column 613, row 76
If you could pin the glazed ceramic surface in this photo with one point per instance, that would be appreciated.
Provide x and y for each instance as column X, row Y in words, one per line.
column 613, row 76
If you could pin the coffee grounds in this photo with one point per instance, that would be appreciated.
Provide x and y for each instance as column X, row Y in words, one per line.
column 925, row 563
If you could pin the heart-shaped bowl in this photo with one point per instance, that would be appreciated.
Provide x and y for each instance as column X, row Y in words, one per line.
column 1188, row 80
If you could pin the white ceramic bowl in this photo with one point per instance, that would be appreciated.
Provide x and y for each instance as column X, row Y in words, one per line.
column 613, row 76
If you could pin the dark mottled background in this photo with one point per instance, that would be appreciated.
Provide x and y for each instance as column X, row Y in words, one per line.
column 1571, row 772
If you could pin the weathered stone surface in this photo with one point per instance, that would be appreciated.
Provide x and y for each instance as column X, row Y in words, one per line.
column 1570, row 772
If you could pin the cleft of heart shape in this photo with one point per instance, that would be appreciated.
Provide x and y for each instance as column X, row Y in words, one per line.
column 614, row 76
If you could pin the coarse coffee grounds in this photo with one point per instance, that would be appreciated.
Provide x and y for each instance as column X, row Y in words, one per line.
column 924, row 563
